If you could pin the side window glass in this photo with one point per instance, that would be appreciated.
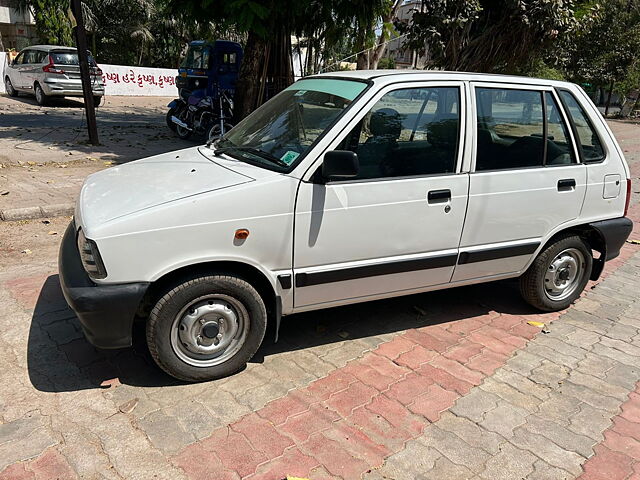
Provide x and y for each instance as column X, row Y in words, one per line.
column 19, row 59
column 408, row 132
column 559, row 151
column 510, row 129
column 40, row 56
column 31, row 57
column 590, row 145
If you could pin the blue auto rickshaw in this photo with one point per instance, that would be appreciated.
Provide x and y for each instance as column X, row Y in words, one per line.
column 210, row 66
column 210, row 69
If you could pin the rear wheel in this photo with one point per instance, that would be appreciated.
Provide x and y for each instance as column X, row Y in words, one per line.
column 206, row 327
column 558, row 275
column 215, row 133
column 41, row 97
column 97, row 100
column 8, row 86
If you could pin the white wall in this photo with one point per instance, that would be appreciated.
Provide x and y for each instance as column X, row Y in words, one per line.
column 129, row 81
column 3, row 62
column 139, row 81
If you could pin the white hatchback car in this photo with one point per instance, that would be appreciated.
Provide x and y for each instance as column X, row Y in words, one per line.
column 344, row 188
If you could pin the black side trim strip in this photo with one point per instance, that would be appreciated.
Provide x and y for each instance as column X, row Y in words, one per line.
column 401, row 266
column 285, row 281
column 498, row 252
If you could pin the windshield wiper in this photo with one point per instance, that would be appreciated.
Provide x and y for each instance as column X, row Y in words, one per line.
column 255, row 151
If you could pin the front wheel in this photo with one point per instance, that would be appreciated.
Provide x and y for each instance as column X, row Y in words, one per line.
column 182, row 132
column 8, row 86
column 558, row 275
column 170, row 124
column 97, row 100
column 206, row 327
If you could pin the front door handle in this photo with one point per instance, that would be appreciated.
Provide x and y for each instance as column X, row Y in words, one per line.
column 439, row 196
column 566, row 184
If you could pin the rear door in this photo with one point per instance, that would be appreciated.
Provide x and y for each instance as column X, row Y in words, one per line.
column 32, row 70
column 522, row 186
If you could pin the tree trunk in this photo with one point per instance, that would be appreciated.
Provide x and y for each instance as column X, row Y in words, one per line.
column 362, row 62
column 606, row 108
column 248, row 85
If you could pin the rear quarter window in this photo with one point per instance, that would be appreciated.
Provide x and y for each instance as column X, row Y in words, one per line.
column 589, row 143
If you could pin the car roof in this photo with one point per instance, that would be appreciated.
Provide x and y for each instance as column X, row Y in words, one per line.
column 396, row 76
column 48, row 48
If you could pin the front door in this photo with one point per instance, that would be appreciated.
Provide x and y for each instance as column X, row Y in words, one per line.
column 526, row 181
column 397, row 226
column 16, row 68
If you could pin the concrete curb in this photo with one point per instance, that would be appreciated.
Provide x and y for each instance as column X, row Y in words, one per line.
column 29, row 213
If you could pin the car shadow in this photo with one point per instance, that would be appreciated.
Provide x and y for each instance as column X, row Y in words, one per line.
column 60, row 359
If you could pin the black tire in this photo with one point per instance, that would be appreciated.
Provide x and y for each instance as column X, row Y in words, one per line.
column 8, row 86
column 535, row 287
column 181, row 302
column 97, row 100
column 41, row 97
column 170, row 124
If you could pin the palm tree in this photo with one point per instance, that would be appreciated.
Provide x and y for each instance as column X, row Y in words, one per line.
column 144, row 36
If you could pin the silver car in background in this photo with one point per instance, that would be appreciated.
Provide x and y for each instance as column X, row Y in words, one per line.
column 51, row 70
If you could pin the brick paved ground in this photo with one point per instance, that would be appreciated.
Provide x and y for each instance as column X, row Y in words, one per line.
column 451, row 384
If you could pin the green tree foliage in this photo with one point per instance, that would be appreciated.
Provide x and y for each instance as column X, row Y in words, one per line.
column 52, row 20
column 269, row 25
column 486, row 35
column 606, row 50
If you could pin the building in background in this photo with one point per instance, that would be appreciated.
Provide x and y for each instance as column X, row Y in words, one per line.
column 403, row 57
column 18, row 29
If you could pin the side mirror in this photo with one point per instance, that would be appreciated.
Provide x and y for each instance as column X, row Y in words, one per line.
column 340, row 165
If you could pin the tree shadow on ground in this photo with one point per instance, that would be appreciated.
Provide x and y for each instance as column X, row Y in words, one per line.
column 60, row 359
column 126, row 133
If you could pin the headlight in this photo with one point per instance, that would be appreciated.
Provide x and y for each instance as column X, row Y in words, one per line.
column 90, row 257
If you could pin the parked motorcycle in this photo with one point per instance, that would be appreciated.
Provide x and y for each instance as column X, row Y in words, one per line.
column 204, row 115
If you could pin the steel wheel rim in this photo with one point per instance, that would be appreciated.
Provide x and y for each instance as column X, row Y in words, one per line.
column 209, row 330
column 564, row 274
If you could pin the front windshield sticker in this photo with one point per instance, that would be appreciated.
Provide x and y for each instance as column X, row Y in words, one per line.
column 348, row 89
column 299, row 93
column 289, row 157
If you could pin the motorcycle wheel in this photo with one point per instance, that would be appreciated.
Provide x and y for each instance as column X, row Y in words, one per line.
column 170, row 124
column 183, row 133
column 214, row 131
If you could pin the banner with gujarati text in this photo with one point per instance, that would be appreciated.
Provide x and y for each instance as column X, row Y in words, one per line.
column 143, row 81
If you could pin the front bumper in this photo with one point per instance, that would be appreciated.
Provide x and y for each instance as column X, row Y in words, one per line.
column 106, row 312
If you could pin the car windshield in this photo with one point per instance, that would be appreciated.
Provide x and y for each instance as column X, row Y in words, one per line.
column 68, row 58
column 197, row 57
column 282, row 130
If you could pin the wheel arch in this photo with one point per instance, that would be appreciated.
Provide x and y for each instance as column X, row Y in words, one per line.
column 251, row 274
column 594, row 239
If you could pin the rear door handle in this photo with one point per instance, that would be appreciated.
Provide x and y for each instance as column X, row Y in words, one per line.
column 439, row 196
column 566, row 184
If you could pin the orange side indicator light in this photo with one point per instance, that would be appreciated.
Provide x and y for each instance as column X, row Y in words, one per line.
column 242, row 234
